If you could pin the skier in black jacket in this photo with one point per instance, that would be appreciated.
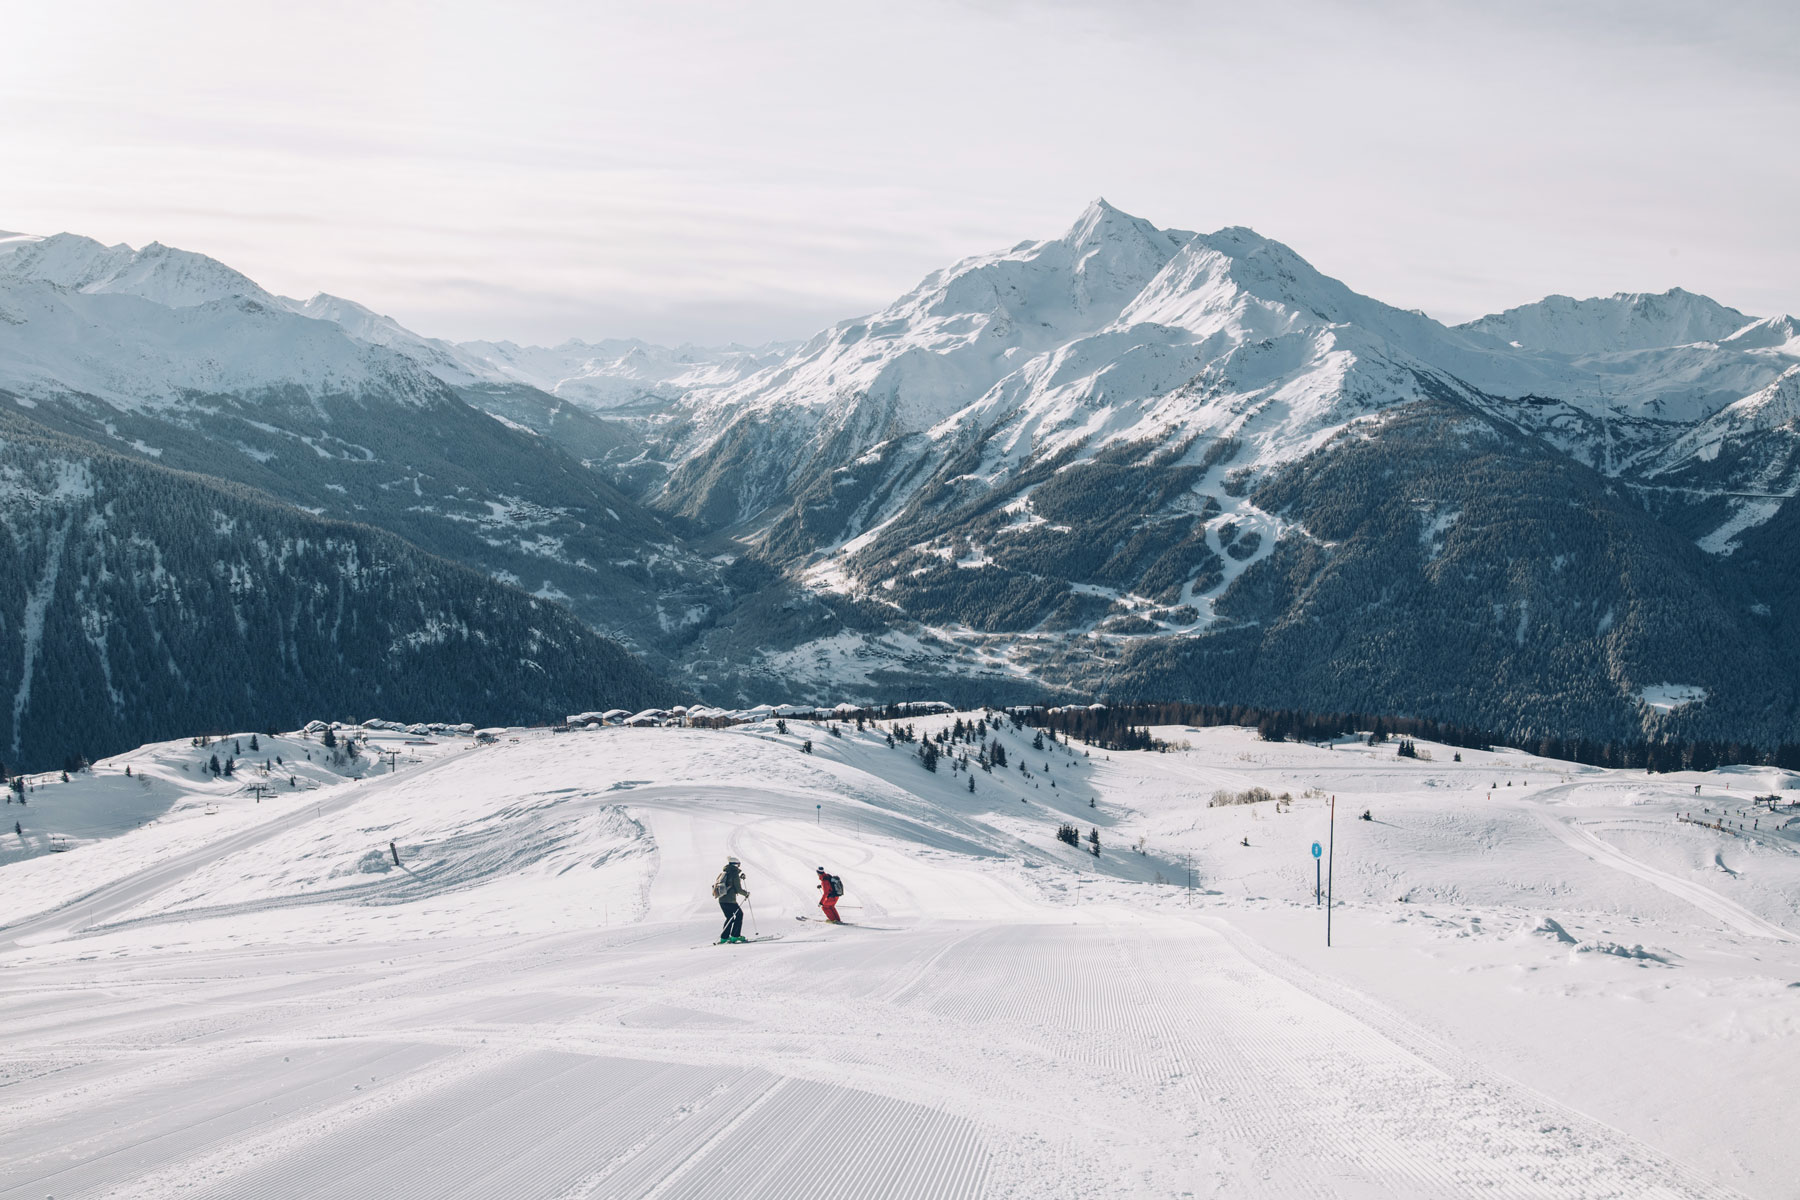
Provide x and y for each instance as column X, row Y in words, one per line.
column 726, row 889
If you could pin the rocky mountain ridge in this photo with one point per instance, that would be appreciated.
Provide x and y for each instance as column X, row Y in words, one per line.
column 1111, row 462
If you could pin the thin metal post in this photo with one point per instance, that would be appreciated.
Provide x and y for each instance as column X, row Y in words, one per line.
column 1330, row 869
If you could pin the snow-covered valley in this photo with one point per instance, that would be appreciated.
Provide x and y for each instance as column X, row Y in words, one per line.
column 1544, row 981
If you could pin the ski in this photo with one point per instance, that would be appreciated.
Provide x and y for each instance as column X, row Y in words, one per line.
column 823, row 921
column 767, row 937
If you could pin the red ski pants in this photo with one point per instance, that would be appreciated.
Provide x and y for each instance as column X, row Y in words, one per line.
column 829, row 905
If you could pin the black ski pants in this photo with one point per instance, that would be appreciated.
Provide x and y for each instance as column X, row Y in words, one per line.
column 734, row 918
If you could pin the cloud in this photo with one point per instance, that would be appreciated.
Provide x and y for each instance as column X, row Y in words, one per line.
column 562, row 169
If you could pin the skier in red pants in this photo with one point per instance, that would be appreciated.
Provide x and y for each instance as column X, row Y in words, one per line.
column 830, row 888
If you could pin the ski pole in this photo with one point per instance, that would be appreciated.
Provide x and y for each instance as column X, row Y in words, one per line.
column 754, row 927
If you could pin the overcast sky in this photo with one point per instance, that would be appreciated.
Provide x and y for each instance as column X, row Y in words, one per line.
column 752, row 170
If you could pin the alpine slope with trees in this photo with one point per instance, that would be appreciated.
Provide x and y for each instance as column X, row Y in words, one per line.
column 143, row 602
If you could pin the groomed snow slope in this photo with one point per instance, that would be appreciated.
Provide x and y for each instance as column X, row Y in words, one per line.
column 1551, row 988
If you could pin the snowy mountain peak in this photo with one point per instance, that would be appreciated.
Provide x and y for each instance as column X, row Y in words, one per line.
column 358, row 320
column 1243, row 242
column 1035, row 293
column 1776, row 405
column 1623, row 321
column 1274, row 272
column 1119, row 331
column 162, row 274
column 1770, row 333
column 1100, row 223
column 150, row 327
column 939, row 347
column 1745, row 455
column 1115, row 255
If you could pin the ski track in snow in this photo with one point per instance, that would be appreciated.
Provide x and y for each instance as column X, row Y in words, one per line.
column 1214, row 1077
column 1733, row 915
column 121, row 895
column 972, row 1039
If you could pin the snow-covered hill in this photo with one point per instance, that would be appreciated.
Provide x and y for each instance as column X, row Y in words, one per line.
column 171, row 786
column 254, row 998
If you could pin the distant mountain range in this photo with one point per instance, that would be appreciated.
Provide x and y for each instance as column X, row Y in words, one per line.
column 1128, row 461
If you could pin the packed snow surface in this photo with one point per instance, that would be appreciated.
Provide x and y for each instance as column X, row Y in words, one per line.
column 1545, row 980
